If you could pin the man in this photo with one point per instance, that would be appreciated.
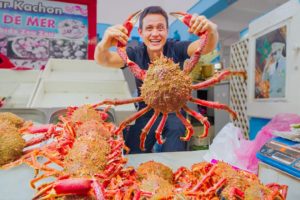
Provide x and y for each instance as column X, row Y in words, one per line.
column 153, row 29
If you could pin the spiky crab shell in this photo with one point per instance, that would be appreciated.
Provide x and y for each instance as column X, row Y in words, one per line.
column 152, row 167
column 87, row 157
column 93, row 127
column 11, row 143
column 12, row 119
column 85, row 113
column 258, row 191
column 161, row 188
column 166, row 87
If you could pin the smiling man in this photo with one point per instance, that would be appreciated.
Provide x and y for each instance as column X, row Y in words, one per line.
column 153, row 29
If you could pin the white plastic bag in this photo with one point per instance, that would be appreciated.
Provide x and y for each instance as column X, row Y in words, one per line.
column 225, row 144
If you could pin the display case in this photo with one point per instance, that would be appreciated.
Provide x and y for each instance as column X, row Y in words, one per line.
column 18, row 86
column 76, row 82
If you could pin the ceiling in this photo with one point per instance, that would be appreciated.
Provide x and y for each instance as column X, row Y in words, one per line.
column 237, row 17
column 116, row 11
column 230, row 21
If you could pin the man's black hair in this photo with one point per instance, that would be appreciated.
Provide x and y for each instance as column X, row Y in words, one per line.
column 152, row 10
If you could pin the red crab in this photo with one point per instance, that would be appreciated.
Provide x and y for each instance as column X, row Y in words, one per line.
column 16, row 139
column 166, row 88
column 89, row 155
column 222, row 181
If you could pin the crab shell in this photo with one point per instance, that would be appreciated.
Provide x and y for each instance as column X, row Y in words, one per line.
column 166, row 88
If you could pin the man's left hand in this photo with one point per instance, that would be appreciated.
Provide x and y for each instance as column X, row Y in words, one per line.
column 200, row 24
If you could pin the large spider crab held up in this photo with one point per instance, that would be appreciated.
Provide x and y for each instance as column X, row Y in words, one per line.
column 167, row 89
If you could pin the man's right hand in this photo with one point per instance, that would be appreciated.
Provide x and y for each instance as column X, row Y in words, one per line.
column 103, row 54
column 114, row 34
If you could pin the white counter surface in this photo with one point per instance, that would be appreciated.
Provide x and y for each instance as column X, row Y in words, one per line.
column 14, row 183
column 172, row 159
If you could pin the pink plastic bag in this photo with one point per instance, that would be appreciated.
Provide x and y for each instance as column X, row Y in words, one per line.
column 246, row 153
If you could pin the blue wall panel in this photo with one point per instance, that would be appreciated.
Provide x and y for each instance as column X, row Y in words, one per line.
column 255, row 125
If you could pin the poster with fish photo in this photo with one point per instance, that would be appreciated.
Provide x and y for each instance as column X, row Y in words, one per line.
column 33, row 31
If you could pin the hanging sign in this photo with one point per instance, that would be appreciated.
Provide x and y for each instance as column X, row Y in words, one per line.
column 33, row 31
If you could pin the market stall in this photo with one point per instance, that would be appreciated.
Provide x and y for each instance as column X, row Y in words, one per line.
column 62, row 116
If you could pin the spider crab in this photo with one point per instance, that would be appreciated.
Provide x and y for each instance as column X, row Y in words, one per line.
column 87, row 156
column 207, row 180
column 19, row 138
column 166, row 88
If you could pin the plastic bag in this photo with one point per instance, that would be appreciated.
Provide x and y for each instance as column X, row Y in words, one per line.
column 286, row 126
column 230, row 146
column 225, row 144
column 246, row 153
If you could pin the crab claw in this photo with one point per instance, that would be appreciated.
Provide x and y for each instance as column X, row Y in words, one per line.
column 133, row 67
column 76, row 186
column 186, row 19
column 182, row 16
column 129, row 23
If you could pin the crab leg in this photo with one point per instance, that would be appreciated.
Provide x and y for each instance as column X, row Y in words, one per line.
column 121, row 49
column 199, row 117
column 45, row 175
column 160, row 128
column 49, row 130
column 98, row 189
column 118, row 102
column 179, row 172
column 212, row 189
column 186, row 18
column 189, row 127
column 216, row 105
column 236, row 192
column 131, row 119
column 204, row 179
column 2, row 101
column 146, row 130
column 282, row 189
column 218, row 78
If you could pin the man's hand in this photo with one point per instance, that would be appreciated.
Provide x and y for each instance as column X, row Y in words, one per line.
column 114, row 34
column 200, row 24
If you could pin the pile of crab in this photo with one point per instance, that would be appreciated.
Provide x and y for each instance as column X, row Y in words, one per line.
column 85, row 158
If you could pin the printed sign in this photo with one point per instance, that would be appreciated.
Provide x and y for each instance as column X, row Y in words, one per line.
column 33, row 31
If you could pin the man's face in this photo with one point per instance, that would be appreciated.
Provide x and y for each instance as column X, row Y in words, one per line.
column 154, row 32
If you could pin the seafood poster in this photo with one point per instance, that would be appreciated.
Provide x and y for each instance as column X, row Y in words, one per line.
column 32, row 31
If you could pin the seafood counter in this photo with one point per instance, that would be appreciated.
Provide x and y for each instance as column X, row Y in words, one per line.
column 14, row 183
column 79, row 156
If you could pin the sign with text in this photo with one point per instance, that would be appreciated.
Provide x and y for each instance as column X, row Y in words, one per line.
column 32, row 31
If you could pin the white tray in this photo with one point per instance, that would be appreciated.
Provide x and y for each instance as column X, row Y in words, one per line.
column 52, row 93
column 18, row 86
column 79, row 70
